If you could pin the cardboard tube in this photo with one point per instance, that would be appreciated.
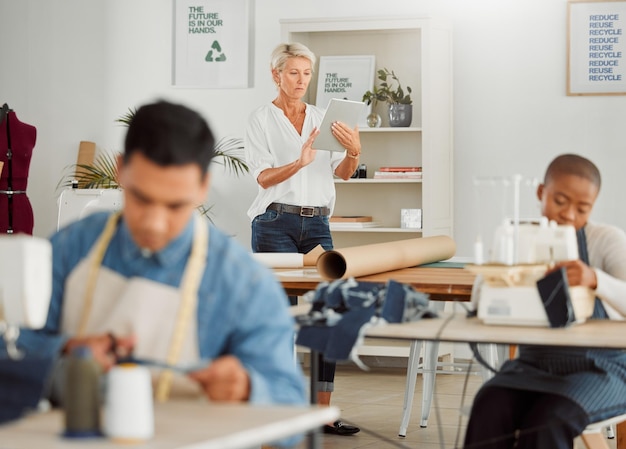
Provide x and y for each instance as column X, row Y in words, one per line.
column 289, row 260
column 280, row 260
column 380, row 257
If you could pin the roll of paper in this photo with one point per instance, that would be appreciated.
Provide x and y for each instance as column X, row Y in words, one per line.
column 380, row 257
column 289, row 260
column 280, row 260
column 129, row 414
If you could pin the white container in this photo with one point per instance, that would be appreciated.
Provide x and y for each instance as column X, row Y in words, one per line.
column 129, row 412
column 411, row 218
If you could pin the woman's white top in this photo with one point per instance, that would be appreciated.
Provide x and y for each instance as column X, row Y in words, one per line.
column 606, row 245
column 272, row 141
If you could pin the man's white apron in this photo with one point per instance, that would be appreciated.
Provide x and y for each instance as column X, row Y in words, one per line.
column 162, row 318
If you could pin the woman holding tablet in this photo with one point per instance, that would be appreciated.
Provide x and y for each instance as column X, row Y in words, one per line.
column 296, row 192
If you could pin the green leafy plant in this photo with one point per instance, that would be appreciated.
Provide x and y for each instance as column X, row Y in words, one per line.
column 387, row 91
column 102, row 173
column 126, row 118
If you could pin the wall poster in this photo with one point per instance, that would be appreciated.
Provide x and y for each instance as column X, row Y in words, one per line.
column 596, row 47
column 213, row 43
column 345, row 77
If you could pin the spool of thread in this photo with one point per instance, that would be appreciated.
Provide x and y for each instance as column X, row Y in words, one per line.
column 82, row 395
column 478, row 251
column 129, row 414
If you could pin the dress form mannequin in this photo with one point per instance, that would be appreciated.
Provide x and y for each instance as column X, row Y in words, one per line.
column 17, row 141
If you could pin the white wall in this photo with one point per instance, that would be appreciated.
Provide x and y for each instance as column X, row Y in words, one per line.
column 70, row 67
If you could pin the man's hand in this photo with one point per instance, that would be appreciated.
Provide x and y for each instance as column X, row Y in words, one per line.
column 105, row 349
column 225, row 380
column 578, row 273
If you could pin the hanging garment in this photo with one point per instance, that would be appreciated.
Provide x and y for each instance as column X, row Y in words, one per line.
column 17, row 140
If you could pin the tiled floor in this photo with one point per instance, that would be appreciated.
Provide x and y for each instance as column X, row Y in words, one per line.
column 373, row 400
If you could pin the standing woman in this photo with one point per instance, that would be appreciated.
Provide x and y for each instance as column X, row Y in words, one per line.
column 296, row 194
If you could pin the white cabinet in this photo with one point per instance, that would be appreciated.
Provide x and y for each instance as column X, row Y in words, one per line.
column 419, row 50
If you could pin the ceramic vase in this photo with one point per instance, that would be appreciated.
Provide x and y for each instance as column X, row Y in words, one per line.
column 400, row 115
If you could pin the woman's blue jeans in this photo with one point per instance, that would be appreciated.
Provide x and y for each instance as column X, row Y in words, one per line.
column 281, row 232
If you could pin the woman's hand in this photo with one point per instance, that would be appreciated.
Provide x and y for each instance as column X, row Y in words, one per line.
column 351, row 141
column 272, row 176
column 348, row 138
column 578, row 273
column 307, row 153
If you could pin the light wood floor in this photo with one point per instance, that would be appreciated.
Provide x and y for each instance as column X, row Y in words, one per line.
column 373, row 400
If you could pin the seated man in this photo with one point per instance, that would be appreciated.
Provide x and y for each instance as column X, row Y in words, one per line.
column 161, row 281
column 548, row 395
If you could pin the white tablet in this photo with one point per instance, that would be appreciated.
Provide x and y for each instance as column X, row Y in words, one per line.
column 346, row 111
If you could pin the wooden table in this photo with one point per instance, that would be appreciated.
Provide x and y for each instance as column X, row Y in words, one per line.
column 181, row 425
column 442, row 284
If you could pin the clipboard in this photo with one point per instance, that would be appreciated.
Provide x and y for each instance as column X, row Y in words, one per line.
column 346, row 111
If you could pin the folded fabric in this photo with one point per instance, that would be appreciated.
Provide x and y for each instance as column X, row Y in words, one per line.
column 22, row 383
column 341, row 310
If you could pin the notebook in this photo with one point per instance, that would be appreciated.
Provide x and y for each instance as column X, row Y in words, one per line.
column 346, row 111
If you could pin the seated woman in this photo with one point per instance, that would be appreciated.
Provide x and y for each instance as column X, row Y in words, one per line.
column 547, row 396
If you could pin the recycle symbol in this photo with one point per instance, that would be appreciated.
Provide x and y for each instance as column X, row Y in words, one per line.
column 220, row 57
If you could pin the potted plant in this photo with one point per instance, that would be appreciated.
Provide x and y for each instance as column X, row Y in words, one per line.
column 390, row 91
column 102, row 173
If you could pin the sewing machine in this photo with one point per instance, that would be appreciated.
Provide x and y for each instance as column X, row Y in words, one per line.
column 74, row 204
column 25, row 285
column 505, row 290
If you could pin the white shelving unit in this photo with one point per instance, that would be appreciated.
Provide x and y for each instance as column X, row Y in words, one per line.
column 419, row 50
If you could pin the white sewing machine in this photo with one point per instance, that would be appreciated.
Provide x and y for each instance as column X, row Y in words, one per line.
column 25, row 285
column 505, row 290
column 74, row 204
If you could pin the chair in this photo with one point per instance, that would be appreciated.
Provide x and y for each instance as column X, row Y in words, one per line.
column 491, row 353
column 592, row 436
column 431, row 349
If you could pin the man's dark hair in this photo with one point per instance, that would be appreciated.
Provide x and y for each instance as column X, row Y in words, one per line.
column 170, row 134
column 573, row 164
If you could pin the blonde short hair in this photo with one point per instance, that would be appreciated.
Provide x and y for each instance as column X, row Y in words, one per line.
column 285, row 51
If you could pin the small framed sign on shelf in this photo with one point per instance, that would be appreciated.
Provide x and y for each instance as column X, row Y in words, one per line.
column 596, row 47
column 345, row 77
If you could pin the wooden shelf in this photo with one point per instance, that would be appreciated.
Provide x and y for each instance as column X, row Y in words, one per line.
column 388, row 129
column 378, row 229
column 378, row 181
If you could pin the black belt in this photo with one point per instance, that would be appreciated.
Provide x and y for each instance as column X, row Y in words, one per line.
column 12, row 192
column 303, row 211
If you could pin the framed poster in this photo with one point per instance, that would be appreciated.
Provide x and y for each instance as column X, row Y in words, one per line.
column 345, row 77
column 212, row 43
column 596, row 47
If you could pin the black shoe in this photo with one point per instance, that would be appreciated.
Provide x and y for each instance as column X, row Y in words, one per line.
column 339, row 428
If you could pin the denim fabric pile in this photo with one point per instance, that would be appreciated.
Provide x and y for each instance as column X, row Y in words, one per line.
column 342, row 310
